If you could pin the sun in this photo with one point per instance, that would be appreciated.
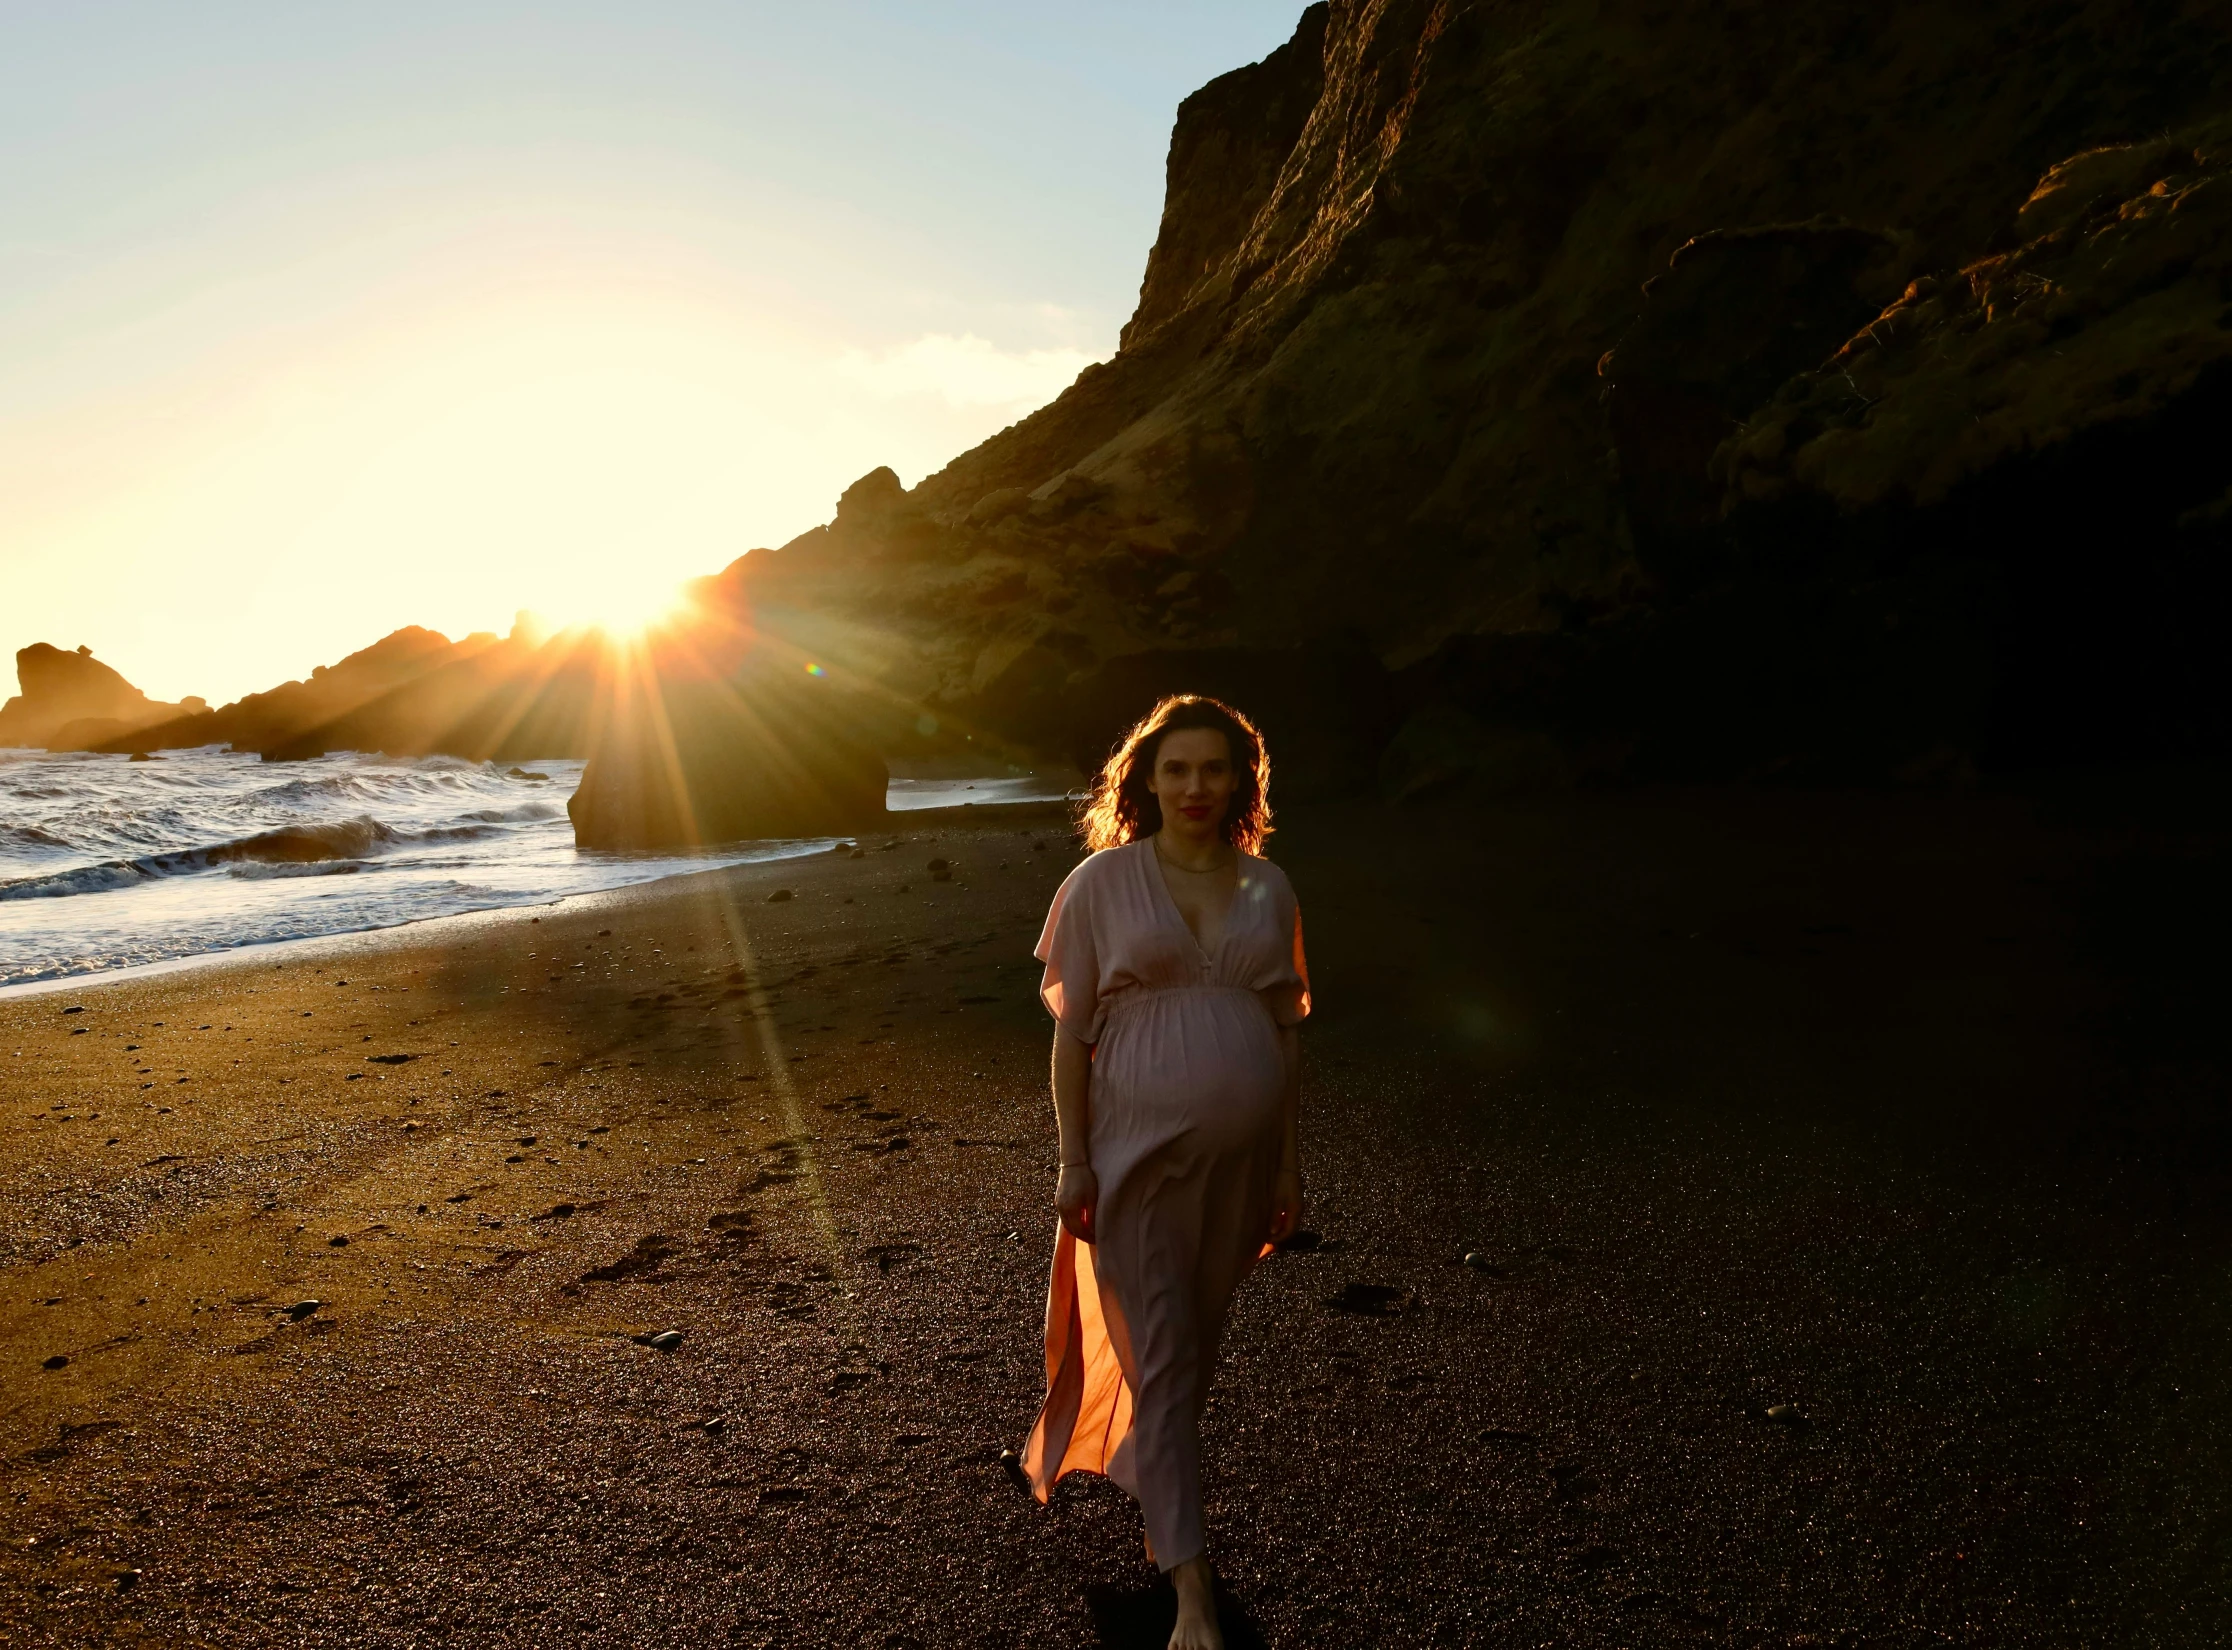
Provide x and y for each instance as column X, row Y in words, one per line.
column 622, row 608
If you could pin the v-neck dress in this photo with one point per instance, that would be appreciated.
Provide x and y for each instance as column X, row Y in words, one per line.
column 1187, row 1083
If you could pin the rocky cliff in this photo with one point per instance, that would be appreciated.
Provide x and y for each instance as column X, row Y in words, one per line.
column 72, row 701
column 1522, row 394
column 1416, row 438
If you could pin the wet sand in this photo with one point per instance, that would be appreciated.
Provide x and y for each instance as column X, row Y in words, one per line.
column 1844, row 1178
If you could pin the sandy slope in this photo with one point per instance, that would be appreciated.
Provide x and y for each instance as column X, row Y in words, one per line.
column 1744, row 1102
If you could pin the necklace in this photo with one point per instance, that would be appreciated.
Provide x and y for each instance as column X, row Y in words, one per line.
column 1190, row 870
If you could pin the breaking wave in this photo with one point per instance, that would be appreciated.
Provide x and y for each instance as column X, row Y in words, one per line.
column 106, row 863
column 294, row 845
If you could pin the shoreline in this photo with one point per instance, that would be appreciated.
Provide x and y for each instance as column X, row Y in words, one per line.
column 968, row 815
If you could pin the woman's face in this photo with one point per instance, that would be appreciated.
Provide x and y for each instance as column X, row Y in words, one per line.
column 1193, row 780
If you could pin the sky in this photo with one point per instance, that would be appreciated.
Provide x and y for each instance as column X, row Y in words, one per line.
column 318, row 320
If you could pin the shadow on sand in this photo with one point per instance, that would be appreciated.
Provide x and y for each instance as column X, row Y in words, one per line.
column 1141, row 1617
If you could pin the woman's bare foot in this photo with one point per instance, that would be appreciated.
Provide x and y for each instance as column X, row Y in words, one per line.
column 1197, row 1607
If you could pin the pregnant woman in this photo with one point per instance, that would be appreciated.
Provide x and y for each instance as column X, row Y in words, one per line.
column 1174, row 972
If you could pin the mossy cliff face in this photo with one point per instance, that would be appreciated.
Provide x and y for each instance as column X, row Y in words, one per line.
column 1394, row 376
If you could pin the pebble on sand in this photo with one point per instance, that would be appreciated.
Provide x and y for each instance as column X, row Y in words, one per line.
column 303, row 1309
column 664, row 1340
column 1789, row 1415
column 777, row 897
column 58, row 1361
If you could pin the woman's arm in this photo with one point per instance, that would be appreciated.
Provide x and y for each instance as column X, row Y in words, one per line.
column 1286, row 1195
column 1077, row 1190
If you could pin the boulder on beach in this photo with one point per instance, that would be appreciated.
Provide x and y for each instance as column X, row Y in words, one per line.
column 769, row 750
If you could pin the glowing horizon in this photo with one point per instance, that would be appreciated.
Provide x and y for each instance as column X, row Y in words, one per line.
column 578, row 451
column 311, row 329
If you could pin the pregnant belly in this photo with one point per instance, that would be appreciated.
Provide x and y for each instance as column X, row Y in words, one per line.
column 1204, row 1063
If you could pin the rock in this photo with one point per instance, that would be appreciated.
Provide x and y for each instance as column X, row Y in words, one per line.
column 303, row 1309
column 754, row 748
column 997, row 505
column 1788, row 1415
column 337, row 1241
column 715, row 1424
column 873, row 499
column 1734, row 315
column 1973, row 450
column 58, row 1361
column 779, row 896
column 72, row 701
column 664, row 1340
column 1012, row 1464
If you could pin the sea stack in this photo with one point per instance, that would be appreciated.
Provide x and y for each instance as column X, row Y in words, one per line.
column 776, row 748
column 72, row 701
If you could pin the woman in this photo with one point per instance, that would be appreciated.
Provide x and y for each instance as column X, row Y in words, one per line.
column 1175, row 976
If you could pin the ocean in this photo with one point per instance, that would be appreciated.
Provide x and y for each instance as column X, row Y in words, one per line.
column 108, row 863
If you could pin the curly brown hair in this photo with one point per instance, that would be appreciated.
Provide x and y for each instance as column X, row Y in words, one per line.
column 1122, row 807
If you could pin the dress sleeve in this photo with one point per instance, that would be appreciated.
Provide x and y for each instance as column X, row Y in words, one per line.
column 1071, row 986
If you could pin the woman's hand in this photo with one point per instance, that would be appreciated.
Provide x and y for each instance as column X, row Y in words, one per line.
column 1286, row 1202
column 1076, row 1195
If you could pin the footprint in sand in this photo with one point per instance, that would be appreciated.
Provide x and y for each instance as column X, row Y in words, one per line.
column 1372, row 1300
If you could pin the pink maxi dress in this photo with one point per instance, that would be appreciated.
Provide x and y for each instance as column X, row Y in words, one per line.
column 1186, row 1135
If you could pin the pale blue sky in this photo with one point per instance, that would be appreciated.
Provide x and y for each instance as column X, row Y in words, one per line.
column 315, row 320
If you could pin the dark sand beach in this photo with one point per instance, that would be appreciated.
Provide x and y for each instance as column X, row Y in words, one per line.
column 1843, row 1176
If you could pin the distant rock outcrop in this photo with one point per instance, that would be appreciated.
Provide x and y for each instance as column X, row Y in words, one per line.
column 414, row 693
column 71, row 701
